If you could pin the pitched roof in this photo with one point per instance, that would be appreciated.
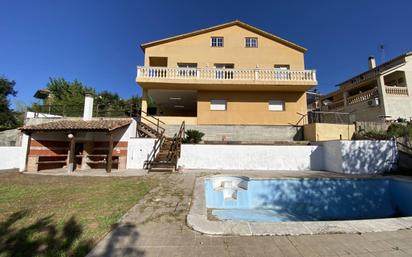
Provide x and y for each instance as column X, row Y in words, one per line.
column 42, row 93
column 225, row 25
column 379, row 68
column 68, row 125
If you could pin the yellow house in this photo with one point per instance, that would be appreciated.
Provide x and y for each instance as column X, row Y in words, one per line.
column 230, row 74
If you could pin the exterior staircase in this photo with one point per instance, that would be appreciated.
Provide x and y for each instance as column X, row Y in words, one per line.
column 145, row 130
column 163, row 159
column 166, row 150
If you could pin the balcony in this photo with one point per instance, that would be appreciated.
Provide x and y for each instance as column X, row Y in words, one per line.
column 396, row 91
column 362, row 97
column 268, row 77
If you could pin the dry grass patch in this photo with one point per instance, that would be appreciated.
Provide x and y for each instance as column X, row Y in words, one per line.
column 61, row 215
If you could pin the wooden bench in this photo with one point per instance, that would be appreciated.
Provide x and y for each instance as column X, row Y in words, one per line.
column 50, row 160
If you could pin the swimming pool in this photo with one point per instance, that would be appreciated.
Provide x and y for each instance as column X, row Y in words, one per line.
column 303, row 199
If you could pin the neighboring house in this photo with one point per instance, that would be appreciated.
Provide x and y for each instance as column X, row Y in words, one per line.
column 381, row 93
column 230, row 74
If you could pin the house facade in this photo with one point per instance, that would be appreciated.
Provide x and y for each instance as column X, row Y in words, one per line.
column 230, row 74
column 381, row 93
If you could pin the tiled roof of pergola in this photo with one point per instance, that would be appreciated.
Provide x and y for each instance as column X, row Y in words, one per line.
column 105, row 125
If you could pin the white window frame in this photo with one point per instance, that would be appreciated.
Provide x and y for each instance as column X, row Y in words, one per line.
column 251, row 42
column 218, row 105
column 276, row 105
column 187, row 69
column 282, row 67
column 217, row 41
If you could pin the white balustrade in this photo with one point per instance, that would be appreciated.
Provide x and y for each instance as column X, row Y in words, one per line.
column 226, row 74
column 397, row 91
column 362, row 97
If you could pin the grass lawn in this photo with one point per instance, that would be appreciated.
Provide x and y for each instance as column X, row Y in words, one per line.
column 61, row 215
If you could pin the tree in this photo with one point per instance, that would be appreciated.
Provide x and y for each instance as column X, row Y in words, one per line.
column 7, row 116
column 67, row 93
column 66, row 98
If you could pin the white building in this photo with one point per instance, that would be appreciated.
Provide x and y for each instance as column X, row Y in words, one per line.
column 381, row 93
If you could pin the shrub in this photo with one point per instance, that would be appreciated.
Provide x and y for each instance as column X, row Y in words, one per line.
column 193, row 136
column 399, row 130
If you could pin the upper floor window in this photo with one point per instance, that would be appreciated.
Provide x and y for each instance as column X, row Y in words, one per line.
column 281, row 71
column 251, row 42
column 187, row 69
column 216, row 42
column 282, row 67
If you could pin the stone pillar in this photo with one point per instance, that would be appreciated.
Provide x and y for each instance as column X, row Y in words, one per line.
column 87, row 149
column 32, row 165
column 122, row 162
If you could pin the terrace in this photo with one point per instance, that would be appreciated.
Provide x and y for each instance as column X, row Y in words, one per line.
column 226, row 76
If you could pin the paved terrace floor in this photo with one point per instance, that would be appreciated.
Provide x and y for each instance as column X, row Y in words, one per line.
column 156, row 227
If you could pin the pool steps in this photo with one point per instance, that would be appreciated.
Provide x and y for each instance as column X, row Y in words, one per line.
column 229, row 185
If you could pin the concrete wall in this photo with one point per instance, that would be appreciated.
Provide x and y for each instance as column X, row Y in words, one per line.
column 251, row 157
column 360, row 157
column 137, row 151
column 245, row 134
column 14, row 157
column 10, row 137
column 363, row 112
column 351, row 157
column 326, row 131
column 367, row 126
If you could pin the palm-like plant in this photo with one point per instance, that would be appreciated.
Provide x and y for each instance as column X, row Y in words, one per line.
column 193, row 136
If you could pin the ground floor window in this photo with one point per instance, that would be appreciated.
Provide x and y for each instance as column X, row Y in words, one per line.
column 218, row 105
column 276, row 105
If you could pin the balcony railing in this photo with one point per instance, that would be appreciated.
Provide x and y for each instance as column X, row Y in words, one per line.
column 396, row 91
column 225, row 74
column 362, row 97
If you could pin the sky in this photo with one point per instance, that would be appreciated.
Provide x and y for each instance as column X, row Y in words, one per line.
column 97, row 41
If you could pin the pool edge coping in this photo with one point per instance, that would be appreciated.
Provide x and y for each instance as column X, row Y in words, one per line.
column 198, row 221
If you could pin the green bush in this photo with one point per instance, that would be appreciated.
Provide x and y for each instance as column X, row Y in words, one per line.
column 397, row 130
column 193, row 136
column 400, row 130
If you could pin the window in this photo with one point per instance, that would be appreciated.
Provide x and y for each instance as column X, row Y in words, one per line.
column 224, row 70
column 276, row 105
column 218, row 105
column 282, row 67
column 251, row 42
column 216, row 42
column 187, row 69
column 281, row 71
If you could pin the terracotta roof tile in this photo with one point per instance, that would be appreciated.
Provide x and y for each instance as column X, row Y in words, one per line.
column 95, row 125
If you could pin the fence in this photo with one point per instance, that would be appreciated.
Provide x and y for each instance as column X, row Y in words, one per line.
column 329, row 117
column 98, row 110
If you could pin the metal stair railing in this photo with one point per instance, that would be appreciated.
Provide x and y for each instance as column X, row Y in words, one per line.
column 152, row 155
column 176, row 145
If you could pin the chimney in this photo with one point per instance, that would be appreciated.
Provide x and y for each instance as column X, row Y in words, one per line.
column 88, row 107
column 371, row 62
